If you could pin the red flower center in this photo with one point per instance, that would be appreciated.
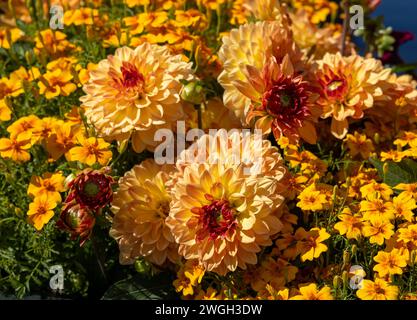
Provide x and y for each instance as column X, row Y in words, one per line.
column 336, row 88
column 286, row 101
column 216, row 220
column 132, row 78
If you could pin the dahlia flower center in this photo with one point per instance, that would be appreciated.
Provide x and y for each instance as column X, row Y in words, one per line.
column 131, row 77
column 216, row 220
column 163, row 209
column 91, row 189
column 286, row 100
column 336, row 88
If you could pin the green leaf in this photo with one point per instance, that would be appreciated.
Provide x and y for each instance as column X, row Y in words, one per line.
column 140, row 288
column 396, row 172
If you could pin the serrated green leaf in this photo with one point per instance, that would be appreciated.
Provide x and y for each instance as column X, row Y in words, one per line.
column 139, row 288
column 396, row 172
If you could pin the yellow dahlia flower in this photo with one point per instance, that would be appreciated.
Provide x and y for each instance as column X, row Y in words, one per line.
column 313, row 40
column 140, row 206
column 134, row 93
column 252, row 45
column 222, row 214
column 348, row 86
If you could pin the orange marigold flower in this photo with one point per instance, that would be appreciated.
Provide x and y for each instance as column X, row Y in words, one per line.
column 16, row 147
column 92, row 150
column 41, row 211
column 140, row 206
column 222, row 211
column 347, row 87
column 135, row 92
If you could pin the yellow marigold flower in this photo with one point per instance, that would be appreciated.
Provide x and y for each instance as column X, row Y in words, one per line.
column 223, row 211
column 347, row 87
column 246, row 50
column 8, row 36
column 409, row 235
column 55, row 83
column 16, row 147
column 5, row 112
column 135, row 92
column 41, row 211
column 190, row 18
column 405, row 138
column 270, row 293
column 359, row 144
column 410, row 189
column 276, row 272
column 376, row 209
column 211, row 4
column 45, row 127
column 311, row 199
column 50, row 185
column 350, row 224
column 84, row 74
column 377, row 290
column 62, row 139
column 24, row 124
column 10, row 87
column 209, row 294
column 52, row 44
column 375, row 189
column 295, row 184
column 63, row 63
column 92, row 150
column 378, row 230
column 390, row 263
column 82, row 16
column 22, row 74
column 318, row 10
column 310, row 246
column 311, row 292
column 393, row 155
column 140, row 206
column 403, row 206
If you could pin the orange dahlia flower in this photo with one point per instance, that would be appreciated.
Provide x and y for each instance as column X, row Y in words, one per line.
column 281, row 101
column 252, row 45
column 220, row 214
column 347, row 87
column 135, row 92
column 141, row 206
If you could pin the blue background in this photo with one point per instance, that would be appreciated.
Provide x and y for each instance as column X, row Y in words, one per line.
column 401, row 15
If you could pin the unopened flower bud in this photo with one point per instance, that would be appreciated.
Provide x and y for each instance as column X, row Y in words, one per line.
column 193, row 92
column 337, row 281
column 354, row 249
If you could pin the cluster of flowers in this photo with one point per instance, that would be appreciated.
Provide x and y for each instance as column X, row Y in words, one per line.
column 293, row 230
